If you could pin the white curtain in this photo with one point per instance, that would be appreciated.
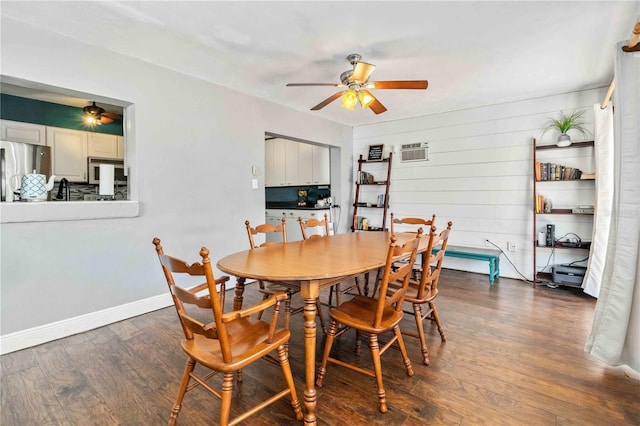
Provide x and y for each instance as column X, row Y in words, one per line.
column 615, row 334
column 603, row 135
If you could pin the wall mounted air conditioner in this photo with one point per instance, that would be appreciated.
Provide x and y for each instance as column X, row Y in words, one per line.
column 414, row 152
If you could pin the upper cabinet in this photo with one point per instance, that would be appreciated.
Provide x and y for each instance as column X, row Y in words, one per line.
column 291, row 163
column 105, row 146
column 69, row 153
column 69, row 148
column 321, row 165
column 120, row 147
column 15, row 131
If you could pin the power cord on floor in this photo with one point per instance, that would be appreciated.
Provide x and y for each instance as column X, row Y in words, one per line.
column 507, row 257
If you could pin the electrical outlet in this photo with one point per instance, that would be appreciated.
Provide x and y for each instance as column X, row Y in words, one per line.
column 511, row 246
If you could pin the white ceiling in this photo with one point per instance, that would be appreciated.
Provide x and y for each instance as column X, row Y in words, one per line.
column 472, row 53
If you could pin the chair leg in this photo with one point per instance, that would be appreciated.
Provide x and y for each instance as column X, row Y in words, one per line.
column 321, row 316
column 227, row 392
column 417, row 313
column 335, row 289
column 331, row 335
column 287, row 317
column 403, row 350
column 264, row 297
column 377, row 368
column 288, row 377
column 186, row 377
column 436, row 318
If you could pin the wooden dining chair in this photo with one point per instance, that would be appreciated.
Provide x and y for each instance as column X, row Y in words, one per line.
column 314, row 228
column 374, row 316
column 268, row 288
column 411, row 224
column 228, row 342
column 425, row 290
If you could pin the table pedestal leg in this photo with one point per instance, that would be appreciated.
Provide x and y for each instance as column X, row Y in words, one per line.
column 310, row 360
column 237, row 301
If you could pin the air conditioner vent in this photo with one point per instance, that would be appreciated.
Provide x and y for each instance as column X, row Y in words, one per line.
column 414, row 152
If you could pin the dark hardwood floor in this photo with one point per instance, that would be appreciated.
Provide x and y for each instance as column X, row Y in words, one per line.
column 514, row 356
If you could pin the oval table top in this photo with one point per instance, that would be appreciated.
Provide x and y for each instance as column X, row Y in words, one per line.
column 314, row 259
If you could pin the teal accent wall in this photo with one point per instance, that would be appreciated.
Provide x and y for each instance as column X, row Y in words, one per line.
column 26, row 110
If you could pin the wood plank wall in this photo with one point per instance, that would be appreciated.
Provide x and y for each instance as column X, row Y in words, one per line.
column 479, row 175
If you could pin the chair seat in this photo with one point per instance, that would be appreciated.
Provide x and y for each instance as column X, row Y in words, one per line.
column 359, row 313
column 248, row 342
column 276, row 287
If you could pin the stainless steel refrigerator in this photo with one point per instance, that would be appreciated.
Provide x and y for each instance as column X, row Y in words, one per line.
column 17, row 159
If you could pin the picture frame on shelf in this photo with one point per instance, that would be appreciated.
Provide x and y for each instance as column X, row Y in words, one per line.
column 376, row 152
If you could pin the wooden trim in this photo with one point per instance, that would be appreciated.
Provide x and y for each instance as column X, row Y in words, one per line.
column 607, row 97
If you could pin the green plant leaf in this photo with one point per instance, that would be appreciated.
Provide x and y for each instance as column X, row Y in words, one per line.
column 567, row 121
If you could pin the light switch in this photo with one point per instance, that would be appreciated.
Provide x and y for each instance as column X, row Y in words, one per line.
column 254, row 183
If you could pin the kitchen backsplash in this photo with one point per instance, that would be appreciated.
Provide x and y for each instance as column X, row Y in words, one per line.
column 289, row 194
column 77, row 191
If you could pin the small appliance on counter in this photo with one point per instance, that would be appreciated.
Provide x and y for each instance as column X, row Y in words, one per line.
column 25, row 172
column 302, row 197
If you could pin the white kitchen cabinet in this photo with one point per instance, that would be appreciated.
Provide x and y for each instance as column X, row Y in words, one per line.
column 69, row 153
column 274, row 217
column 120, row 147
column 15, row 131
column 321, row 171
column 305, row 164
column 279, row 162
column 313, row 165
column 291, row 163
column 102, row 145
column 269, row 164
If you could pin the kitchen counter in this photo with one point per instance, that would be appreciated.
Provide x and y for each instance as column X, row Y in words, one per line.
column 293, row 206
column 49, row 211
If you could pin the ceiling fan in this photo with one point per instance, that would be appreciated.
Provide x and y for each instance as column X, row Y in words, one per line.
column 357, row 85
column 93, row 114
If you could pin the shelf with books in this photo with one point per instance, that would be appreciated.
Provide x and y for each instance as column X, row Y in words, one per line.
column 365, row 188
column 573, row 210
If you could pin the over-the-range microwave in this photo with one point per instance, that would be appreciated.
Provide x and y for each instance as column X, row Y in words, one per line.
column 119, row 177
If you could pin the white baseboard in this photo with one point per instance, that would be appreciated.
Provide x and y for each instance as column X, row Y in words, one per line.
column 57, row 330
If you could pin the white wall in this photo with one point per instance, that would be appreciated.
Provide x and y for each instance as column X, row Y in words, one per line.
column 192, row 148
column 480, row 175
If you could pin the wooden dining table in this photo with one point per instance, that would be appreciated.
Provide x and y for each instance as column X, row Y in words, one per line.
column 312, row 265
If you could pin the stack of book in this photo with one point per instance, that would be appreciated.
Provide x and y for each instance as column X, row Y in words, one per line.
column 361, row 222
column 553, row 171
column 364, row 177
column 539, row 203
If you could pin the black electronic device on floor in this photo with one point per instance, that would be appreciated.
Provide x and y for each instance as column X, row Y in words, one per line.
column 568, row 275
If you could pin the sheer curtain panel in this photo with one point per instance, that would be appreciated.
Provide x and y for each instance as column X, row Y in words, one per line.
column 615, row 333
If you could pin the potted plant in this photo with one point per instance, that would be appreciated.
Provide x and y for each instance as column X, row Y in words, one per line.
column 567, row 121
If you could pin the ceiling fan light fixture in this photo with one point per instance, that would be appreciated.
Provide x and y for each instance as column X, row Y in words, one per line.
column 366, row 98
column 92, row 114
column 349, row 99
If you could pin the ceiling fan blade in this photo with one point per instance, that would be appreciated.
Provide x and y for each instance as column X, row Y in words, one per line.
column 400, row 84
column 315, row 84
column 111, row 115
column 361, row 72
column 105, row 120
column 328, row 101
column 377, row 107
